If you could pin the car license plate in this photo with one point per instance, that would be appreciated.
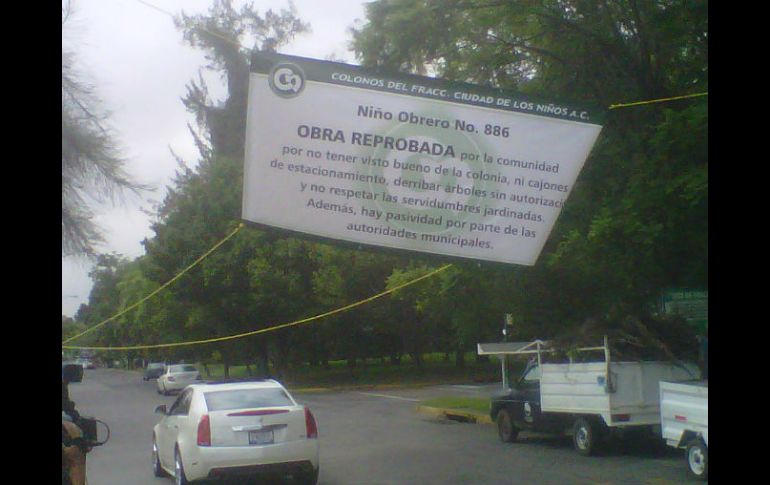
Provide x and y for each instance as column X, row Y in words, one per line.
column 261, row 437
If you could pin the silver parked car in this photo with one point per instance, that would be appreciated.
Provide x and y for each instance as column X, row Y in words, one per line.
column 177, row 377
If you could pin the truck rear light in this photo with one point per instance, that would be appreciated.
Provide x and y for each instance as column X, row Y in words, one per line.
column 621, row 417
column 682, row 419
column 171, row 379
column 204, row 431
column 310, row 425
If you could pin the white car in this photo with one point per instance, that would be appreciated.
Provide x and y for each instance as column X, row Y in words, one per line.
column 234, row 431
column 177, row 377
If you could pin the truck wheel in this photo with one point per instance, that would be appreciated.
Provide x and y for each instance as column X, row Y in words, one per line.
column 698, row 459
column 506, row 430
column 584, row 436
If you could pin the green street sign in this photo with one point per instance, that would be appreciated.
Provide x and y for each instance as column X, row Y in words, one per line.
column 692, row 304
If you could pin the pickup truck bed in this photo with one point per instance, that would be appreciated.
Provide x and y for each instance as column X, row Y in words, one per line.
column 622, row 393
column 684, row 416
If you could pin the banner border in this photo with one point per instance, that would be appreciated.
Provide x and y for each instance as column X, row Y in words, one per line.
column 321, row 71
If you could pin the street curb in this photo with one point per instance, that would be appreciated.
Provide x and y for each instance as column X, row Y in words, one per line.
column 455, row 414
column 362, row 387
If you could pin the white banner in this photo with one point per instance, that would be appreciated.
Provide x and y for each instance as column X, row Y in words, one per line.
column 408, row 162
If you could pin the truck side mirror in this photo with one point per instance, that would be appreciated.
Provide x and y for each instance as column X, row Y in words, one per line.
column 161, row 409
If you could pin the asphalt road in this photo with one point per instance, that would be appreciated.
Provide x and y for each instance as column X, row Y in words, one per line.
column 376, row 437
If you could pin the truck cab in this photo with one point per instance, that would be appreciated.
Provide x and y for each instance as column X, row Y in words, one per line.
column 519, row 408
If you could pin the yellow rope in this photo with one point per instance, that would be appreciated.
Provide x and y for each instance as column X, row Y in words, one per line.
column 276, row 327
column 91, row 329
column 158, row 290
column 298, row 322
column 661, row 100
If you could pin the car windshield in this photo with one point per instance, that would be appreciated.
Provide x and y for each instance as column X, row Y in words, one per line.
column 155, row 366
column 247, row 399
column 181, row 368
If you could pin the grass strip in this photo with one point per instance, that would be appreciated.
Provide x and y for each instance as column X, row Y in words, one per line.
column 471, row 404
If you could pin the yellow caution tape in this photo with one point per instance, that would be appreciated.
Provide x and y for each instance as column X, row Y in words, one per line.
column 270, row 329
column 298, row 322
column 159, row 289
column 661, row 100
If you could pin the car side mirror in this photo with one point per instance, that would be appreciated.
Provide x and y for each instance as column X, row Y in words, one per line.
column 161, row 409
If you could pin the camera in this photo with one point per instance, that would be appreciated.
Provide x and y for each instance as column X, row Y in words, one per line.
column 88, row 426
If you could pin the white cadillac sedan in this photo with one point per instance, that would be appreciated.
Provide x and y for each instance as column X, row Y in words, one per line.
column 177, row 377
column 236, row 431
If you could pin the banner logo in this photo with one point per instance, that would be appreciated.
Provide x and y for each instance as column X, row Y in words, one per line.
column 287, row 80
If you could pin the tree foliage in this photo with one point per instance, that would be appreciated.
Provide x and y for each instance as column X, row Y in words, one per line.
column 637, row 219
column 227, row 36
column 635, row 224
column 92, row 169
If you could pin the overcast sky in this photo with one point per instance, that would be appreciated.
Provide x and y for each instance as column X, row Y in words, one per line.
column 135, row 58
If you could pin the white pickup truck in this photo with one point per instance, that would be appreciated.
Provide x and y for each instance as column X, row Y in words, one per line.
column 586, row 399
column 684, row 417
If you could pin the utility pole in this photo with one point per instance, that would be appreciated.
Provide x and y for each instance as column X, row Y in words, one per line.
column 507, row 328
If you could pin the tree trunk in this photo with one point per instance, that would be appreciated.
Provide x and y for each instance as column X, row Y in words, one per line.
column 314, row 354
column 459, row 358
column 263, row 361
column 313, row 359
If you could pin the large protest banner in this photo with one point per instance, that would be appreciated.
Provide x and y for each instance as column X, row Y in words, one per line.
column 408, row 162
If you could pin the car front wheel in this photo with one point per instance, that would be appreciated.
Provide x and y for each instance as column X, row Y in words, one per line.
column 157, row 469
column 179, row 477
